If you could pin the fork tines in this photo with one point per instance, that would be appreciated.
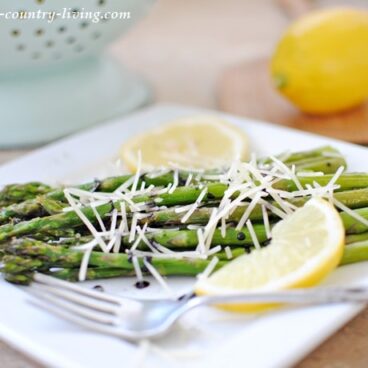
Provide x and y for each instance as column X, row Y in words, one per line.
column 89, row 308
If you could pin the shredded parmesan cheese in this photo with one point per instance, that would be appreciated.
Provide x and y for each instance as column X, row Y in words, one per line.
column 85, row 220
column 266, row 222
column 201, row 245
column 350, row 212
column 309, row 173
column 214, row 250
column 190, row 212
column 156, row 275
column 248, row 185
column 228, row 252
column 209, row 269
column 137, row 268
column 253, row 235
column 84, row 264
column 248, row 211
column 189, row 180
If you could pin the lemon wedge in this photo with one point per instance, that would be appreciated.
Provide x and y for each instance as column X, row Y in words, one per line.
column 305, row 248
column 203, row 142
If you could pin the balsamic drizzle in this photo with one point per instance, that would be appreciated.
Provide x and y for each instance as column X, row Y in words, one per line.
column 142, row 284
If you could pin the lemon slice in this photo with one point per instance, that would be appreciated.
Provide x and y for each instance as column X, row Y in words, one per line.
column 189, row 143
column 305, row 247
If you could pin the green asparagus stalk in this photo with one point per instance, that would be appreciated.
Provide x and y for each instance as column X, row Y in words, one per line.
column 187, row 195
column 324, row 151
column 44, row 206
column 347, row 181
column 61, row 226
column 324, row 159
column 325, row 165
column 354, row 238
column 351, row 198
column 62, row 256
column 352, row 225
column 355, row 252
column 22, row 278
column 52, row 202
column 106, row 185
column 36, row 207
column 184, row 239
column 63, row 237
column 35, row 256
column 24, row 210
column 16, row 193
column 67, row 221
column 16, row 264
column 180, row 238
column 52, row 223
column 72, row 274
column 317, row 160
column 356, row 198
column 182, row 195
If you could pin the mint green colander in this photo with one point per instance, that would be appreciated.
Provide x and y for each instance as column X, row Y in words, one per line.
column 54, row 77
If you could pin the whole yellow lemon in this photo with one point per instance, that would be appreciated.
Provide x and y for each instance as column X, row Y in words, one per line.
column 321, row 62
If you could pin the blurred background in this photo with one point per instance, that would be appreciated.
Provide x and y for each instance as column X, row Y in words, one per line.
column 208, row 53
column 213, row 54
column 183, row 47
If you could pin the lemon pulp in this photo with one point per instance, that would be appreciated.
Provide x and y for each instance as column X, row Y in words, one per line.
column 196, row 142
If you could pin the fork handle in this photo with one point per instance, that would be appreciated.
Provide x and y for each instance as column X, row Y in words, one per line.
column 297, row 296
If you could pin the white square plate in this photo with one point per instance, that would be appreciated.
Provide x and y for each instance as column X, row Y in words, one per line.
column 204, row 338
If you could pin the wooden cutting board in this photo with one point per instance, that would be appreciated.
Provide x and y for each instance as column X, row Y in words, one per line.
column 246, row 90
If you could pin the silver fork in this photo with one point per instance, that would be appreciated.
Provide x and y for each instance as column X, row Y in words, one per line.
column 140, row 319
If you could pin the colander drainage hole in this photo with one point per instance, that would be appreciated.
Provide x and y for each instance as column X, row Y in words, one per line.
column 36, row 55
column 70, row 40
column 39, row 32
column 15, row 32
